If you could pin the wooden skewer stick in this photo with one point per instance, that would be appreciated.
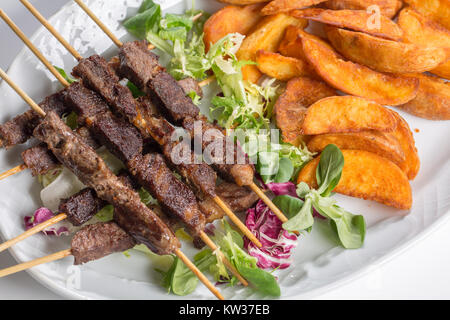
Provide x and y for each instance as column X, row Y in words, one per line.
column 199, row 274
column 224, row 207
column 24, row 38
column 45, row 23
column 13, row 171
column 30, row 264
column 114, row 39
column 24, row 236
column 65, row 253
column 68, row 252
column 32, row 231
column 225, row 261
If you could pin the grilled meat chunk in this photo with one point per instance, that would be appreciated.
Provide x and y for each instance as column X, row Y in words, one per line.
column 141, row 67
column 232, row 163
column 84, row 102
column 238, row 198
column 96, row 241
column 131, row 214
column 20, row 129
column 98, row 76
column 190, row 85
column 175, row 198
column 81, row 207
column 39, row 160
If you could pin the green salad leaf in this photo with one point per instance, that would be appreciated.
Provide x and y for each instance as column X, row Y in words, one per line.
column 350, row 228
column 63, row 73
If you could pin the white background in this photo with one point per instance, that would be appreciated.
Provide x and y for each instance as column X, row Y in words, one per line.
column 421, row 272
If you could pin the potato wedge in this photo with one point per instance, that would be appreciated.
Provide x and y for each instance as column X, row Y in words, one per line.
column 405, row 137
column 385, row 55
column 383, row 144
column 242, row 2
column 291, row 45
column 266, row 36
column 443, row 70
column 356, row 79
column 368, row 176
column 388, row 8
column 277, row 6
column 425, row 32
column 218, row 25
column 420, row 30
column 290, row 107
column 342, row 114
column 432, row 100
column 282, row 68
column 352, row 19
column 437, row 10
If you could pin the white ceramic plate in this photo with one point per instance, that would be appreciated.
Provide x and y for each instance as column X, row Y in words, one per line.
column 319, row 262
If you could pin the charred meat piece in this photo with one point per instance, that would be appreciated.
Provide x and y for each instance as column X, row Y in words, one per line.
column 137, row 63
column 20, row 129
column 39, row 160
column 96, row 241
column 118, row 135
column 98, row 76
column 81, row 207
column 86, row 136
column 190, row 85
column 84, row 102
column 141, row 67
column 175, row 198
column 237, row 198
column 232, row 163
column 131, row 214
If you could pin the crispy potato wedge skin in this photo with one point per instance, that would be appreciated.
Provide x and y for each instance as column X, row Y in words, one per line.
column 342, row 114
column 242, row 2
column 290, row 107
column 420, row 30
column 367, row 176
column 266, row 36
column 405, row 137
column 280, row 67
column 277, row 6
column 356, row 79
column 432, row 100
column 291, row 45
column 443, row 70
column 385, row 55
column 437, row 10
column 425, row 32
column 388, row 8
column 383, row 144
column 352, row 19
column 218, row 25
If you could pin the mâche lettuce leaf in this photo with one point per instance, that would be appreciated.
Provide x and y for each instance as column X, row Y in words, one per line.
column 350, row 228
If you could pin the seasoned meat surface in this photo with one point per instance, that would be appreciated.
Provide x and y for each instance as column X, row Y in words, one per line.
column 96, row 241
column 137, row 63
column 39, row 160
column 81, row 207
column 175, row 198
column 19, row 129
column 86, row 103
column 98, row 76
column 239, row 199
column 131, row 214
column 190, row 85
column 142, row 68
column 232, row 163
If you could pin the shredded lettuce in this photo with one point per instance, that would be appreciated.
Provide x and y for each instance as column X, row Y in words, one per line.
column 175, row 34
